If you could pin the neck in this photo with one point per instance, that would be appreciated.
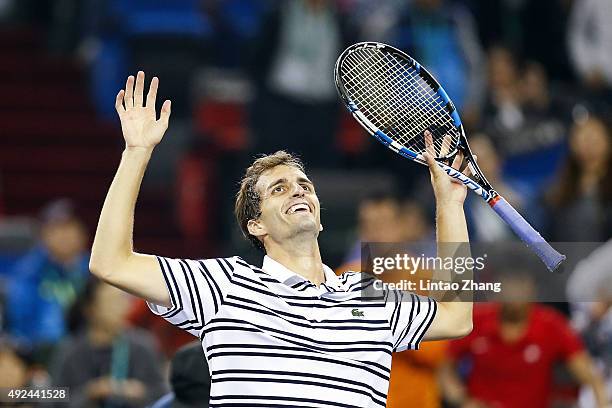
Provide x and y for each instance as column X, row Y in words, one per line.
column 593, row 168
column 101, row 336
column 302, row 257
column 65, row 261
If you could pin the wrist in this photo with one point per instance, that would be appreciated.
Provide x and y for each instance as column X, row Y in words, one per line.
column 137, row 154
column 450, row 204
column 138, row 149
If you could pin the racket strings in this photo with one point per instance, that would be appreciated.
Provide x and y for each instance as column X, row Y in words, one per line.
column 371, row 93
column 398, row 130
column 411, row 93
column 433, row 104
column 396, row 99
column 414, row 93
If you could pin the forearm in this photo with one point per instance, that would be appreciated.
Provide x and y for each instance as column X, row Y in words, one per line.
column 452, row 387
column 453, row 242
column 450, row 223
column 454, row 316
column 113, row 240
column 583, row 369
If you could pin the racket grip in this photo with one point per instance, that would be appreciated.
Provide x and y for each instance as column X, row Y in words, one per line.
column 528, row 235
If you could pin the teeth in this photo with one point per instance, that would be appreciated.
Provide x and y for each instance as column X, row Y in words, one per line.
column 297, row 207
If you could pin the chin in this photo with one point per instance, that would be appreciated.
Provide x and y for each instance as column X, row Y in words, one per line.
column 306, row 225
column 309, row 225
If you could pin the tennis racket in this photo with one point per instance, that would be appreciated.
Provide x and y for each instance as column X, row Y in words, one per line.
column 403, row 106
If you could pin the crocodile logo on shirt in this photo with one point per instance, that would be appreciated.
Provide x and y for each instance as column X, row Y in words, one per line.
column 357, row 313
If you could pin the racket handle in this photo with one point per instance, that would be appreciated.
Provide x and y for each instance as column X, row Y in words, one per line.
column 530, row 236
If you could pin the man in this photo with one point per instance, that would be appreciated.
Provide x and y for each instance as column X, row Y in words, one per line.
column 106, row 363
column 291, row 332
column 513, row 351
column 45, row 283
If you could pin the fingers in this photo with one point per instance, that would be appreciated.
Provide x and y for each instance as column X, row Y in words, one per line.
column 469, row 169
column 458, row 160
column 139, row 89
column 429, row 145
column 446, row 146
column 434, row 169
column 128, row 98
column 152, row 95
column 165, row 112
column 119, row 102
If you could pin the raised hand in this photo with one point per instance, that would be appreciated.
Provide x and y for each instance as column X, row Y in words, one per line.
column 446, row 189
column 139, row 122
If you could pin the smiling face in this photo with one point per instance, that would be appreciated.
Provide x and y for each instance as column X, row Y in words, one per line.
column 289, row 206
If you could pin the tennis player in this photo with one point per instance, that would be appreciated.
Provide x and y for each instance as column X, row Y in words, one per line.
column 289, row 333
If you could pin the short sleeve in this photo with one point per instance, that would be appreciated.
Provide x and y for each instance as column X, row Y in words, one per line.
column 411, row 316
column 568, row 342
column 197, row 289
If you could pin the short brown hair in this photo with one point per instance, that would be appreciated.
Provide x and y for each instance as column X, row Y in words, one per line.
column 248, row 201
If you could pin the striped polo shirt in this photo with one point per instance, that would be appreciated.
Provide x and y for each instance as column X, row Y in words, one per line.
column 274, row 339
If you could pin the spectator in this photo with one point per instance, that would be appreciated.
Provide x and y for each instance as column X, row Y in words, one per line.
column 414, row 376
column 47, row 280
column 503, row 99
column 414, row 222
column 378, row 221
column 582, row 196
column 485, row 224
column 590, row 42
column 527, row 123
column 442, row 36
column 590, row 291
column 383, row 218
column 106, row 364
column 13, row 366
column 189, row 378
column 296, row 101
column 14, row 371
column 512, row 352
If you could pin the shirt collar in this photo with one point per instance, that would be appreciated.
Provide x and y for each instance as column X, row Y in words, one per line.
column 284, row 275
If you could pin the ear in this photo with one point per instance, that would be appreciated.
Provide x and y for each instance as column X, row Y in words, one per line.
column 256, row 228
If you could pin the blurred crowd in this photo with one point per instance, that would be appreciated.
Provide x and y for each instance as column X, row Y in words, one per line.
column 533, row 82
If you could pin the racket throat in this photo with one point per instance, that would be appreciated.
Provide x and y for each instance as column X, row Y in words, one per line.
column 495, row 197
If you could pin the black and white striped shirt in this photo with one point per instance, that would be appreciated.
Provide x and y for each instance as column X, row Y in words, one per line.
column 273, row 339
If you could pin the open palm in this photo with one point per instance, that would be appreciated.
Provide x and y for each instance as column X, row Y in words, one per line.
column 139, row 122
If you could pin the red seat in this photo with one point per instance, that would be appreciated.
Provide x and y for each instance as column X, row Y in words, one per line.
column 225, row 123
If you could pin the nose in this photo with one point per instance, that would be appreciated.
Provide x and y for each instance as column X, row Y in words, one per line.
column 298, row 190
